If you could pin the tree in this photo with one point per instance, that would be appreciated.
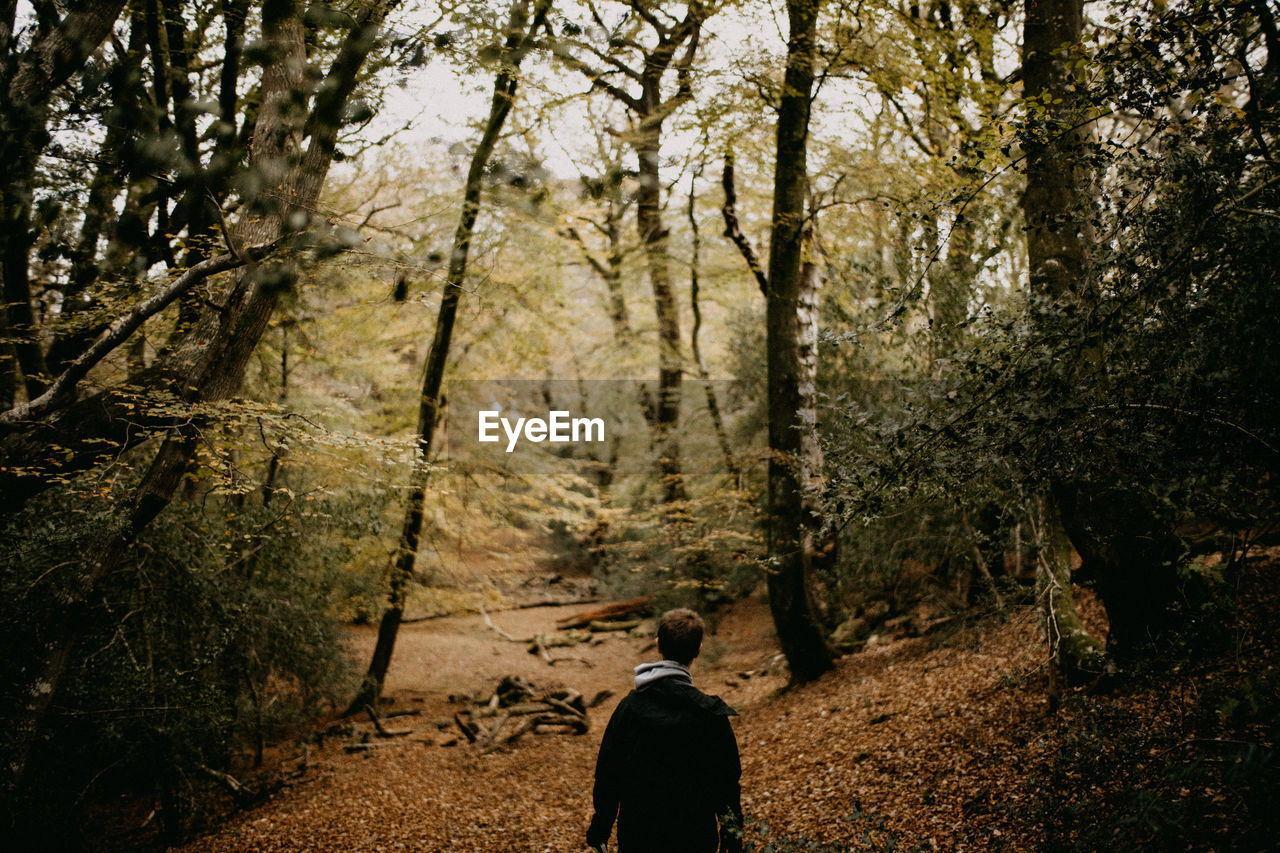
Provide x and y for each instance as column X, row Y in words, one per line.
column 674, row 49
column 521, row 33
column 1157, row 281
column 269, row 173
column 793, row 521
column 1055, row 205
column 31, row 79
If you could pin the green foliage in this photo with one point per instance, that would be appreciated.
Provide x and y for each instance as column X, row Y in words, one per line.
column 1159, row 395
column 216, row 636
column 711, row 555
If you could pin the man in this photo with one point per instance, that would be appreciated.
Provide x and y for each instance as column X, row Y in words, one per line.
column 668, row 769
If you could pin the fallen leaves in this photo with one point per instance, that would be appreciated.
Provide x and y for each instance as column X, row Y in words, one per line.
column 913, row 742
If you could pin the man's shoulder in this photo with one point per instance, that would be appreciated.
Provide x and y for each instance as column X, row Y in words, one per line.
column 687, row 695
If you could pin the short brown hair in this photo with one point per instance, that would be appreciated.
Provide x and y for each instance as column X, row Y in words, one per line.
column 680, row 635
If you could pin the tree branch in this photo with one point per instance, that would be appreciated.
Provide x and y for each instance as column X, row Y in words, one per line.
column 119, row 331
column 596, row 77
column 909, row 125
column 614, row 61
column 596, row 263
column 733, row 230
column 54, row 58
column 651, row 19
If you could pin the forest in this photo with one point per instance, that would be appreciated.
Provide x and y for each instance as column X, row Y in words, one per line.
column 374, row 372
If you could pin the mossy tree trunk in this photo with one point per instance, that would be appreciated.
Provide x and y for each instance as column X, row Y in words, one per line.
column 791, row 344
column 1056, row 211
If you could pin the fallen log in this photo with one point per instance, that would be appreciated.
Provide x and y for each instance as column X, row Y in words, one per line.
column 517, row 707
column 572, row 697
column 598, row 627
column 620, row 611
column 243, row 794
column 575, row 723
column 501, row 633
column 565, row 708
column 555, row 602
column 521, row 710
column 541, row 642
column 536, row 648
column 588, row 664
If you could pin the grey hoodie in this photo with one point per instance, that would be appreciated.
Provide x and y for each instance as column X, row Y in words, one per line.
column 647, row 673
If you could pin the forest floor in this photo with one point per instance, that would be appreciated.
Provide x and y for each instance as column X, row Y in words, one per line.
column 942, row 742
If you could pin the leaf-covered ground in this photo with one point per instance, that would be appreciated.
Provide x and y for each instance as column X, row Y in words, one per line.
column 931, row 743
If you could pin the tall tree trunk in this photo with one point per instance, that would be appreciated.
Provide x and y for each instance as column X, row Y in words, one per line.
column 1055, row 201
column 1054, row 205
column 1074, row 653
column 650, row 109
column 792, row 525
column 520, row 36
column 653, row 237
column 8, row 366
column 950, row 290
column 27, row 83
column 1114, row 527
column 610, row 271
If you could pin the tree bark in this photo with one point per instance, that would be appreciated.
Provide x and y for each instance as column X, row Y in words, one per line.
column 789, row 307
column 1074, row 654
column 709, row 391
column 733, row 228
column 653, row 237
column 1057, row 249
column 1055, row 201
column 520, row 37
column 610, row 271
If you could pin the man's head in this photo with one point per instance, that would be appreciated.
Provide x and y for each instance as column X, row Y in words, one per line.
column 680, row 635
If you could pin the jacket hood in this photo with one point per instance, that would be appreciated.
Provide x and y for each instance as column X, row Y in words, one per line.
column 647, row 673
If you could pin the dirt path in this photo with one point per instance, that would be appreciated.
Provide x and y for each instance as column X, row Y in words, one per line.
column 534, row 797
column 898, row 743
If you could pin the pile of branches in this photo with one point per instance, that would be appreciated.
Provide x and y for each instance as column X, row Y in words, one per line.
column 516, row 708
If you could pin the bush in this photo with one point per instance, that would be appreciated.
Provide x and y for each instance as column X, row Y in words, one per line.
column 218, row 633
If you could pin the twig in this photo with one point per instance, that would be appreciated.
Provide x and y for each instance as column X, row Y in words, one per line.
column 382, row 730
column 499, row 631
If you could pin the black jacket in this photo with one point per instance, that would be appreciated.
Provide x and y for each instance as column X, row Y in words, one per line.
column 669, row 773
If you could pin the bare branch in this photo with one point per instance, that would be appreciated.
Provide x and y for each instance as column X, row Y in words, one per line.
column 910, row 126
column 651, row 19
column 613, row 61
column 732, row 228
column 596, row 263
column 55, row 57
column 596, row 77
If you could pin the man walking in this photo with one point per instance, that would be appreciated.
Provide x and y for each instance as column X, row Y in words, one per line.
column 668, row 769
